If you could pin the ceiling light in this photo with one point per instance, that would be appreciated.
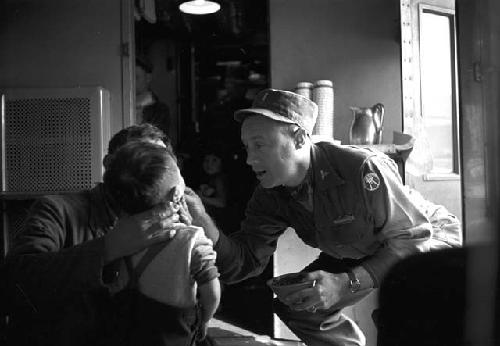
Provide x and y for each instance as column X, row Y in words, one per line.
column 199, row 7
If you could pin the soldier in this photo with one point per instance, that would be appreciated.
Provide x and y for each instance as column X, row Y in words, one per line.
column 347, row 201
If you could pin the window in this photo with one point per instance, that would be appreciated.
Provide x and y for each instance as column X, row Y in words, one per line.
column 430, row 100
column 438, row 87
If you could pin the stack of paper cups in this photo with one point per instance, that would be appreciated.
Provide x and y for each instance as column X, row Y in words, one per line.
column 304, row 89
column 322, row 95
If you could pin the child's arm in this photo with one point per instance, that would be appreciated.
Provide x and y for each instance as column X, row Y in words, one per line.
column 209, row 299
column 206, row 275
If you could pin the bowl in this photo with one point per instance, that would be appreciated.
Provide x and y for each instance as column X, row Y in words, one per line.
column 286, row 284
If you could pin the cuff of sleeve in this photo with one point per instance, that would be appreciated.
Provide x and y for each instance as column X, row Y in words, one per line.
column 110, row 276
column 207, row 275
column 379, row 264
column 115, row 276
column 90, row 261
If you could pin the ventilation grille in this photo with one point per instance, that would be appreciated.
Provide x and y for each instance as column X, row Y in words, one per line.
column 47, row 144
column 53, row 139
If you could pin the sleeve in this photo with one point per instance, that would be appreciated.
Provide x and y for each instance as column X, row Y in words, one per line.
column 40, row 272
column 203, row 257
column 401, row 226
column 220, row 187
column 246, row 253
column 446, row 228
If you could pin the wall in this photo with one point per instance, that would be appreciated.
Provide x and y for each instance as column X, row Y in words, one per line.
column 354, row 43
column 164, row 80
column 54, row 43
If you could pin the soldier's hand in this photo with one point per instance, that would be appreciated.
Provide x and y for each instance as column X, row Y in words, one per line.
column 179, row 201
column 184, row 214
column 327, row 290
column 200, row 216
column 195, row 206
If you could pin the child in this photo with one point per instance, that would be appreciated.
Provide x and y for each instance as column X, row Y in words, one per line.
column 213, row 190
column 174, row 278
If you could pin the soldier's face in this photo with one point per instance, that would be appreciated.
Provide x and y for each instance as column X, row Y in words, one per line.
column 270, row 151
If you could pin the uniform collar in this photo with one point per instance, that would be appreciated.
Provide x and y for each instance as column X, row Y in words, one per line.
column 325, row 175
column 299, row 189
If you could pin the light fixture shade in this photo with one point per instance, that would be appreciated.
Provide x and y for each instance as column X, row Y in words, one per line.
column 199, row 7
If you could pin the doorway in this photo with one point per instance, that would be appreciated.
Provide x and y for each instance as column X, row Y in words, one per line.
column 203, row 68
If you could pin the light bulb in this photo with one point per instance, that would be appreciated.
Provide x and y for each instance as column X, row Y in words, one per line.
column 199, row 7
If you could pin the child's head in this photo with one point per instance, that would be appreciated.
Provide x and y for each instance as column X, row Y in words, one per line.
column 143, row 131
column 212, row 163
column 141, row 174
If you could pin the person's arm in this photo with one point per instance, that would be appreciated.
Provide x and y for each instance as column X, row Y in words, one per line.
column 209, row 299
column 198, row 215
column 446, row 227
column 40, row 272
column 205, row 273
column 51, row 259
column 244, row 253
column 401, row 227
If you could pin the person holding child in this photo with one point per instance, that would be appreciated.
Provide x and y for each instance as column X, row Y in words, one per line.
column 80, row 271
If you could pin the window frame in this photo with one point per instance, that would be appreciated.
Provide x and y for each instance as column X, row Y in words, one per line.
column 450, row 14
column 420, row 161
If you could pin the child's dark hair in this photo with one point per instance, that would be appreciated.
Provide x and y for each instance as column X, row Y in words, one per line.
column 136, row 173
column 144, row 131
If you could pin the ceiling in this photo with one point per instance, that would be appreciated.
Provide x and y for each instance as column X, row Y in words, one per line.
column 237, row 21
column 238, row 32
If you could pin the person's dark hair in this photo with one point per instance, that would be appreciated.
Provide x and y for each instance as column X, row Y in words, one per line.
column 145, row 131
column 157, row 114
column 136, row 173
column 142, row 63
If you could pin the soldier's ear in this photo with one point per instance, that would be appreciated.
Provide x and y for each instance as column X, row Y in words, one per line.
column 299, row 137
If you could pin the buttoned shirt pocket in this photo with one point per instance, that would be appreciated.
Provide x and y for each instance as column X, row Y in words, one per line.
column 345, row 240
column 346, row 229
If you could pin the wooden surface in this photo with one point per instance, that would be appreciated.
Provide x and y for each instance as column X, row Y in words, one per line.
column 227, row 334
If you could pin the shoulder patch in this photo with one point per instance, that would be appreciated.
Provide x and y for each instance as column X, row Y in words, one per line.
column 371, row 181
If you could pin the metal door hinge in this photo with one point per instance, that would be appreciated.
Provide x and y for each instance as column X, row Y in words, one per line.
column 125, row 49
column 476, row 71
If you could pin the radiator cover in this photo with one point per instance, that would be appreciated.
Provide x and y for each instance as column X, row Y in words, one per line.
column 53, row 140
